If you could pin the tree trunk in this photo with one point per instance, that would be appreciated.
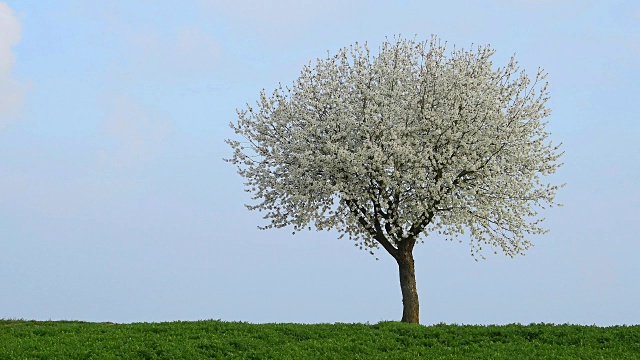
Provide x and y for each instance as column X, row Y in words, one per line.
column 410, row 304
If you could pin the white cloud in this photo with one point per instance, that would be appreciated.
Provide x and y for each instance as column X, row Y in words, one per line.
column 12, row 92
column 139, row 132
column 11, row 32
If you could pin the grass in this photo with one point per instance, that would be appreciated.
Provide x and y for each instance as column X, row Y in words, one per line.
column 212, row 339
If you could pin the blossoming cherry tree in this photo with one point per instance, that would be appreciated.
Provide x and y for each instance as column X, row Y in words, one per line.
column 390, row 148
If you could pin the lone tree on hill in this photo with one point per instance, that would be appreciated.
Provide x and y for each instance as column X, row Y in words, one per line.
column 411, row 142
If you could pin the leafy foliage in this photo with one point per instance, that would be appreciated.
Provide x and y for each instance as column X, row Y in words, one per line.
column 411, row 141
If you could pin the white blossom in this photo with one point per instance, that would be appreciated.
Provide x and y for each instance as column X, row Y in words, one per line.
column 394, row 146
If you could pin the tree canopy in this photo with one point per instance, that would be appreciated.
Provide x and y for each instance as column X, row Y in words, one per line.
column 405, row 143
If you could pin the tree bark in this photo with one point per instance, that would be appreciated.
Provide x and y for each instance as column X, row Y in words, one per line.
column 410, row 304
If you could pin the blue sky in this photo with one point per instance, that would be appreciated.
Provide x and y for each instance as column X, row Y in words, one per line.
column 116, row 205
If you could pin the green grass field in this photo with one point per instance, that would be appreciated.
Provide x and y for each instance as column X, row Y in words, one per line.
column 386, row 340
